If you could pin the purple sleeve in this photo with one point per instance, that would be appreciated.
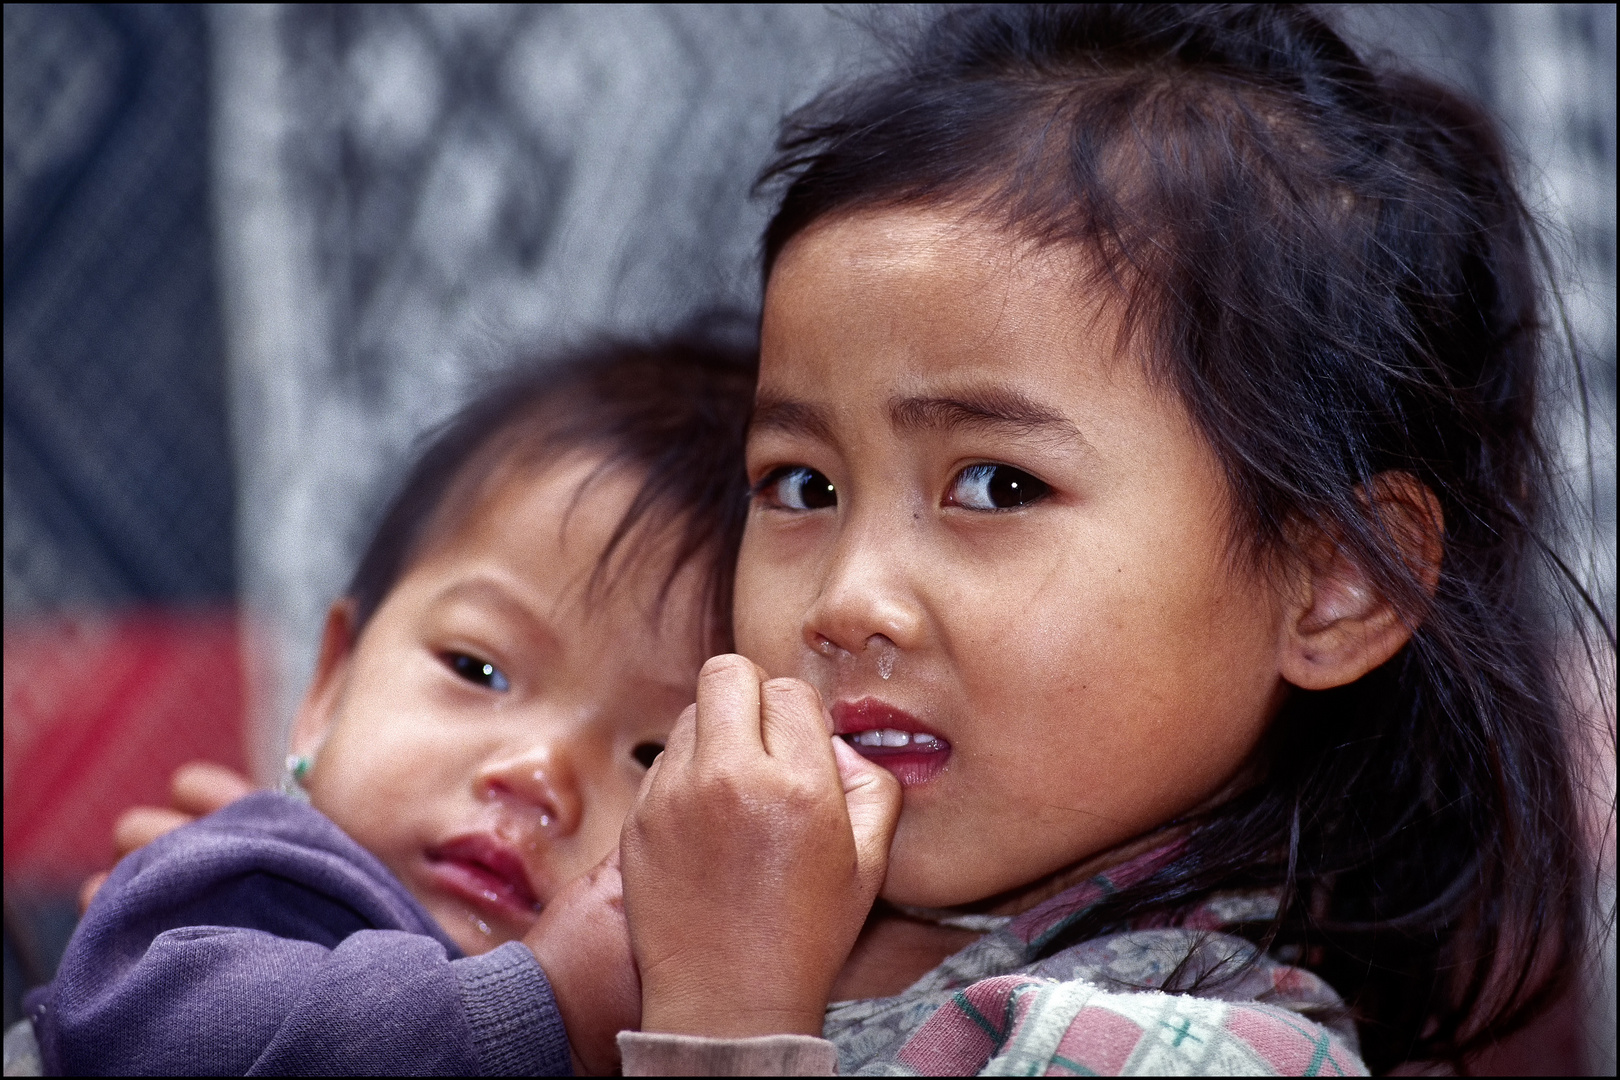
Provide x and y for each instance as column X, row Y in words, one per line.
column 263, row 940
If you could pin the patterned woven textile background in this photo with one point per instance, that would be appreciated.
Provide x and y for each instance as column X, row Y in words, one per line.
column 251, row 253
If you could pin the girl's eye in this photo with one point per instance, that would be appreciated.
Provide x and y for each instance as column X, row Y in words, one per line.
column 647, row 753
column 995, row 487
column 798, row 487
column 477, row 671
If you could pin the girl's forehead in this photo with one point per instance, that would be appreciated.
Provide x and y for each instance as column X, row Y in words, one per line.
column 928, row 301
column 923, row 244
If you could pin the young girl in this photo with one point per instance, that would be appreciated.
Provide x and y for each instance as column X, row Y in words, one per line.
column 1146, row 474
column 518, row 638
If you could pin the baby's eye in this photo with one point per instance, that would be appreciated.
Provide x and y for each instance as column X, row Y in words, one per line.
column 798, row 487
column 477, row 671
column 647, row 753
column 995, row 487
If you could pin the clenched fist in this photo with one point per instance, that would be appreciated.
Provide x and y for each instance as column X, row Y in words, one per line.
column 751, row 859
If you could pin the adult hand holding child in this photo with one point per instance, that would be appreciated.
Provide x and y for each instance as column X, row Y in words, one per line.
column 197, row 789
column 758, row 844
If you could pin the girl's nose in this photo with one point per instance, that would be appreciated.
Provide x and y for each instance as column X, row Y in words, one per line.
column 865, row 606
column 541, row 784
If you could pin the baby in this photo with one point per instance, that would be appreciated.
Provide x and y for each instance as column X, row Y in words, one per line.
column 520, row 635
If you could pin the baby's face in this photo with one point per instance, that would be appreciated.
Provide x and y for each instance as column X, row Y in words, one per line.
column 976, row 523
column 485, row 736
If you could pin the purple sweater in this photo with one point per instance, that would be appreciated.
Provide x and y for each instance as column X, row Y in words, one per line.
column 263, row 940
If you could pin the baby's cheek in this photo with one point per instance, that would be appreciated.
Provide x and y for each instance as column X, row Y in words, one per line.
column 375, row 780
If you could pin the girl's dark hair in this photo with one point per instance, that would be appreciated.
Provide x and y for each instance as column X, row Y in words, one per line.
column 673, row 410
column 1331, row 266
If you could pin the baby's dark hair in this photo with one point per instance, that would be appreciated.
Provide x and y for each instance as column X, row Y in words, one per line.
column 673, row 410
column 1331, row 266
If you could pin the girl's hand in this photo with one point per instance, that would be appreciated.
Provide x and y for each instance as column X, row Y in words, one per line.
column 583, row 946
column 197, row 789
column 751, row 859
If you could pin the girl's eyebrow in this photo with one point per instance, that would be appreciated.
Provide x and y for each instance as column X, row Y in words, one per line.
column 790, row 417
column 995, row 408
column 992, row 408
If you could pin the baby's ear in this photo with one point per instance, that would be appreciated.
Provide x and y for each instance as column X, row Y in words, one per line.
column 1341, row 625
column 318, row 710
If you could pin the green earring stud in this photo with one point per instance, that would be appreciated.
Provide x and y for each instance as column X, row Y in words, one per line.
column 292, row 779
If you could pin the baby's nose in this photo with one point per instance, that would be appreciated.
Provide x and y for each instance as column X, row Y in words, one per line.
column 541, row 785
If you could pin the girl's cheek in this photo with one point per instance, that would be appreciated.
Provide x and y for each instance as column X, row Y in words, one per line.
column 765, row 622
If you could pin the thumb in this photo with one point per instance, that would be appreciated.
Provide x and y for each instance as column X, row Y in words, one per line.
column 872, row 795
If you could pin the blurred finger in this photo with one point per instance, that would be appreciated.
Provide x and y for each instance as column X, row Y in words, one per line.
column 140, row 825
column 87, row 891
column 201, row 787
column 728, row 708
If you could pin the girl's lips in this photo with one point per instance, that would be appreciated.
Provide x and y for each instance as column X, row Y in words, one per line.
column 893, row 738
column 870, row 714
column 485, row 871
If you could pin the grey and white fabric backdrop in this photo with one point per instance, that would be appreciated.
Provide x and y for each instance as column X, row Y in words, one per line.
column 410, row 196
column 252, row 252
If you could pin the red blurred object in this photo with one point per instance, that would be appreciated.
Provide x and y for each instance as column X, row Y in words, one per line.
column 99, row 711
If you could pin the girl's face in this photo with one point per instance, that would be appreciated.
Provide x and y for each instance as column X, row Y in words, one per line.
column 487, row 733
column 985, row 535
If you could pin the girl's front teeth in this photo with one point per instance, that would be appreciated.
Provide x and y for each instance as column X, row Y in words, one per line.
column 893, row 739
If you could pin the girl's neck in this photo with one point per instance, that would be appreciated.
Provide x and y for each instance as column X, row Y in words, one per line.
column 897, row 948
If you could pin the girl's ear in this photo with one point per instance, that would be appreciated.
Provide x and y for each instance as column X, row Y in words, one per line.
column 1340, row 625
column 318, row 710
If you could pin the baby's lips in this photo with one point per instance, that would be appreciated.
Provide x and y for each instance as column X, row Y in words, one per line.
column 486, row 860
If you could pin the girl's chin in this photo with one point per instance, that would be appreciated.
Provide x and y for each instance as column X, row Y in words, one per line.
column 927, row 883
column 938, row 897
column 932, row 865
